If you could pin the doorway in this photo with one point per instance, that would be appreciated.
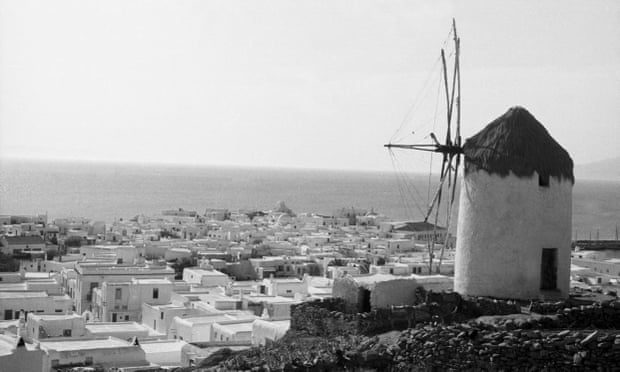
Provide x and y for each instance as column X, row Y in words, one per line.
column 549, row 269
column 365, row 300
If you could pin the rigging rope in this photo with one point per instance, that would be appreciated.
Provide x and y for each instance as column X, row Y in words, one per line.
column 406, row 186
column 416, row 101
column 399, row 185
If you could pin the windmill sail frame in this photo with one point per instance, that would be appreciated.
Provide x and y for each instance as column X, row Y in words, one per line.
column 451, row 149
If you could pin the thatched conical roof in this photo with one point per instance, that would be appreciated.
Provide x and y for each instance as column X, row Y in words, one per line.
column 517, row 142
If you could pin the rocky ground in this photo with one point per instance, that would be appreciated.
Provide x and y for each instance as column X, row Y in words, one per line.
column 459, row 347
column 559, row 337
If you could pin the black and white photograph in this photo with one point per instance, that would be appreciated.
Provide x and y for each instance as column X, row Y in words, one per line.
column 309, row 185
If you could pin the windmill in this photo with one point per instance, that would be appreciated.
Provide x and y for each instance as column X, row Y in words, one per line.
column 450, row 149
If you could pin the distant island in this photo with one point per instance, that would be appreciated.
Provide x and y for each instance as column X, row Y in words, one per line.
column 608, row 169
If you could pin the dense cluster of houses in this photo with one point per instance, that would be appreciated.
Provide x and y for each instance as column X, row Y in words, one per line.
column 157, row 292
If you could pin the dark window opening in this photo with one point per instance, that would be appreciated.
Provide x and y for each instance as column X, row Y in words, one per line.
column 66, row 332
column 155, row 292
column 543, row 180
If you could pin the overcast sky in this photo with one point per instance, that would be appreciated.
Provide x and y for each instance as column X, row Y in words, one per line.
column 307, row 83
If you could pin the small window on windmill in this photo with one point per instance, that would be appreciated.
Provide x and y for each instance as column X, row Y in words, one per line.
column 543, row 180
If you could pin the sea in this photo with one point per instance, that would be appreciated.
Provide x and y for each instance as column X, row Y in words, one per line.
column 109, row 192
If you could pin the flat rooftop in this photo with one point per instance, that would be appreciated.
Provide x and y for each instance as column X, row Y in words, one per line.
column 377, row 278
column 33, row 294
column 54, row 316
column 84, row 344
column 270, row 299
column 162, row 346
column 206, row 319
column 237, row 327
column 103, row 328
column 152, row 281
column 205, row 272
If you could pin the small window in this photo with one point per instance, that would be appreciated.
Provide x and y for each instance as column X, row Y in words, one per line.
column 155, row 292
column 58, row 310
column 66, row 332
column 161, row 315
column 543, row 180
column 118, row 294
column 88, row 361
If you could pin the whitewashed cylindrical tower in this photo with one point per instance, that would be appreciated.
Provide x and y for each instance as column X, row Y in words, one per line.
column 515, row 212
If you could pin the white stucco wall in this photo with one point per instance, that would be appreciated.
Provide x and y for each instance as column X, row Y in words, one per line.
column 263, row 330
column 503, row 225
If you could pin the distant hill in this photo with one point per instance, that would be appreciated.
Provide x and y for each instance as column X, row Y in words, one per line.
column 608, row 169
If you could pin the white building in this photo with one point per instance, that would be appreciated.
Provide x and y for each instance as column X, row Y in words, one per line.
column 122, row 301
column 286, row 287
column 205, row 277
column 91, row 275
column 12, row 304
column 198, row 329
column 40, row 327
column 515, row 213
column 237, row 331
column 368, row 292
column 106, row 353
column 159, row 317
column 266, row 330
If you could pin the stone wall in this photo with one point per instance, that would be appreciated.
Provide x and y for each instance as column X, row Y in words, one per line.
column 475, row 347
column 598, row 315
column 333, row 317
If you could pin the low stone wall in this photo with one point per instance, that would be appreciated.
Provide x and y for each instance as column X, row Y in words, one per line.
column 599, row 315
column 323, row 318
column 476, row 347
column 330, row 317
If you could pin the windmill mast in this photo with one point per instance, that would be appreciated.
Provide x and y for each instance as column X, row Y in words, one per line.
column 450, row 149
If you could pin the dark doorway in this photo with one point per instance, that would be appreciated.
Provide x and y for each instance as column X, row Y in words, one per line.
column 365, row 303
column 549, row 269
column 8, row 314
column 114, row 317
